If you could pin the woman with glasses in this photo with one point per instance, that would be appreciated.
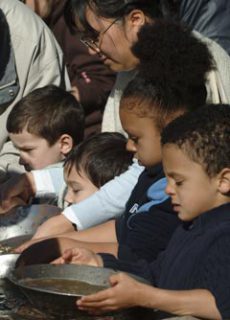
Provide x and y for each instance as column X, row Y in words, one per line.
column 110, row 29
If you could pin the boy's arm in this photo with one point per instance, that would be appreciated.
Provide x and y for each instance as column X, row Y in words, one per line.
column 103, row 235
column 198, row 302
column 54, row 226
column 127, row 292
column 107, row 203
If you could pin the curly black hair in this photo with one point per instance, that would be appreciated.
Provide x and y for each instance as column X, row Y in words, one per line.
column 169, row 52
column 172, row 56
column 172, row 72
column 204, row 136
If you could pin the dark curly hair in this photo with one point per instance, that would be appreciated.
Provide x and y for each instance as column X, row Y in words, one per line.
column 172, row 72
column 170, row 53
column 101, row 157
column 204, row 136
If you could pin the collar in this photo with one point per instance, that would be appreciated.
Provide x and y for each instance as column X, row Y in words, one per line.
column 154, row 170
column 211, row 218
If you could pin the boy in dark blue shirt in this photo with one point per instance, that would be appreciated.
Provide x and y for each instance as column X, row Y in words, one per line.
column 192, row 276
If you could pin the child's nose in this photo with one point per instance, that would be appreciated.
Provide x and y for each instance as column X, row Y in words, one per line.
column 22, row 162
column 130, row 146
column 169, row 189
column 68, row 197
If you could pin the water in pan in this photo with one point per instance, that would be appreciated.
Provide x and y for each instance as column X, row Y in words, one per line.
column 13, row 306
column 68, row 286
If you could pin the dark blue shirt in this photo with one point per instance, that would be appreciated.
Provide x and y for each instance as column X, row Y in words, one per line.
column 197, row 257
column 144, row 230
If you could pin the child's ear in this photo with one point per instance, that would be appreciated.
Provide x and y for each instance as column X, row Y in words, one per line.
column 224, row 181
column 66, row 143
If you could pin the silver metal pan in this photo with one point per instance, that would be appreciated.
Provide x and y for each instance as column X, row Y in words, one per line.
column 25, row 220
column 7, row 264
column 63, row 302
column 8, row 260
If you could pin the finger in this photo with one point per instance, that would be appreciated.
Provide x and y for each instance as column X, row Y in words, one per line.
column 114, row 279
column 23, row 247
column 98, row 307
column 93, row 311
column 59, row 260
column 68, row 254
column 96, row 297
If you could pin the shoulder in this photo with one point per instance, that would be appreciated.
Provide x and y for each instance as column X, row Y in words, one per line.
column 24, row 24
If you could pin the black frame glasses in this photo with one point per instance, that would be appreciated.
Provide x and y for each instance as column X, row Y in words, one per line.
column 93, row 42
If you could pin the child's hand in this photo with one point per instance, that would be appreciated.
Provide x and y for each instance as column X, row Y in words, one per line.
column 124, row 293
column 80, row 256
column 26, row 245
column 16, row 192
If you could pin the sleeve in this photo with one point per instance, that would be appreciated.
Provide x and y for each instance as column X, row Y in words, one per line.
column 87, row 72
column 141, row 268
column 216, row 272
column 94, row 83
column 149, row 233
column 107, row 203
column 49, row 181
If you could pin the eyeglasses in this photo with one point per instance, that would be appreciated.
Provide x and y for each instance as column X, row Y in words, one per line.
column 93, row 41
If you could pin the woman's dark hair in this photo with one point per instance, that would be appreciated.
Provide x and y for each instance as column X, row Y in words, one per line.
column 101, row 157
column 110, row 9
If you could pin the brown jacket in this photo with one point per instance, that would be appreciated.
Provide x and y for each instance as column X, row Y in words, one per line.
column 95, row 91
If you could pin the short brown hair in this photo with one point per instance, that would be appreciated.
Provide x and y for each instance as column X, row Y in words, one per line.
column 48, row 112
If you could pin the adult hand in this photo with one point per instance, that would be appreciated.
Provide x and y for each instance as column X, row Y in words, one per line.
column 16, row 191
column 80, row 256
column 124, row 293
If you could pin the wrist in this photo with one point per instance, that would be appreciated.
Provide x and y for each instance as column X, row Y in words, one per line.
column 99, row 260
column 143, row 293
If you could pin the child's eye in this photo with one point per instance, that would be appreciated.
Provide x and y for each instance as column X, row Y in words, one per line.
column 179, row 183
column 27, row 150
column 76, row 190
column 134, row 139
